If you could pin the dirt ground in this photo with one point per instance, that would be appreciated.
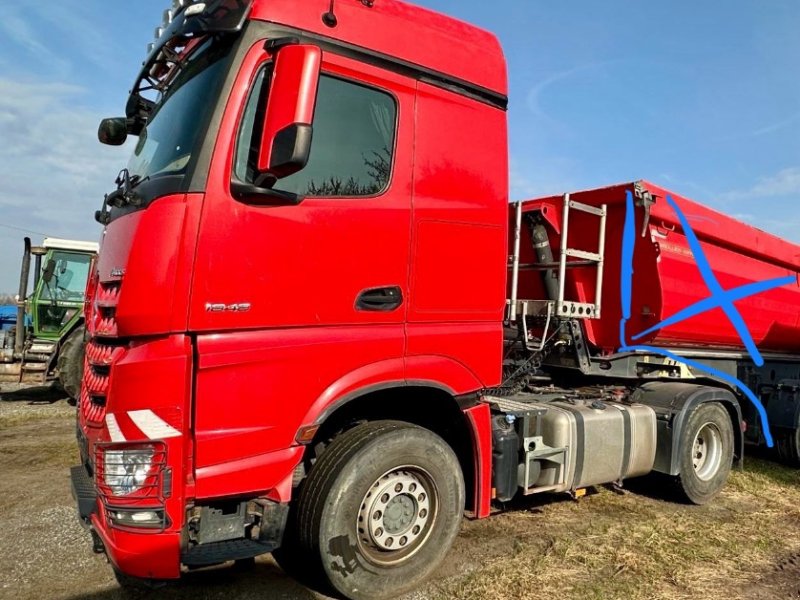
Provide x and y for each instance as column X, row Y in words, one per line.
column 628, row 545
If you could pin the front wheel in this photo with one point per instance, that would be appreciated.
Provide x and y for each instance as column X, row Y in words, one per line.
column 706, row 452
column 380, row 509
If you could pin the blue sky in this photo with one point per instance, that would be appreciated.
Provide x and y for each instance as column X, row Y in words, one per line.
column 700, row 97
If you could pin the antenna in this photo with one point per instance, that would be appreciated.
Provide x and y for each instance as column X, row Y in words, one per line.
column 329, row 18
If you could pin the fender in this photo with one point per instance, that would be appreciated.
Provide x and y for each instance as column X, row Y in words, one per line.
column 370, row 378
column 439, row 372
column 673, row 403
column 434, row 372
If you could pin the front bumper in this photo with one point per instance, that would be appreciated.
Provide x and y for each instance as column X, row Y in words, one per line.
column 144, row 555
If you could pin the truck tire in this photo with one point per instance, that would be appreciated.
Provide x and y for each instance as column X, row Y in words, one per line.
column 706, row 453
column 70, row 363
column 787, row 442
column 378, row 512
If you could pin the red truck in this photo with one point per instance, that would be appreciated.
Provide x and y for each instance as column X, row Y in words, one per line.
column 319, row 329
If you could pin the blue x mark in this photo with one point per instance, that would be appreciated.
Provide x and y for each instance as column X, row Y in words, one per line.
column 719, row 298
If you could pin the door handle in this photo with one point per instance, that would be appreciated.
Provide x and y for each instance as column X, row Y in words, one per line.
column 383, row 299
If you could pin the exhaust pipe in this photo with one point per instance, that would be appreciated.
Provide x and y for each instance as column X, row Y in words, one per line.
column 19, row 341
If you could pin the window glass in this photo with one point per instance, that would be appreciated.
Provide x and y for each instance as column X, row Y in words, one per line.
column 69, row 277
column 353, row 142
column 172, row 133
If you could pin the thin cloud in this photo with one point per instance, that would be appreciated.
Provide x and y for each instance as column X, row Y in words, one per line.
column 778, row 126
column 527, row 182
column 16, row 29
column 74, row 22
column 53, row 170
column 783, row 183
column 535, row 94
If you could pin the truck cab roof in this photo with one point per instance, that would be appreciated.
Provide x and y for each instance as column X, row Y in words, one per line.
column 405, row 32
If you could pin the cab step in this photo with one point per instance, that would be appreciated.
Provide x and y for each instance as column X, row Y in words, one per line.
column 214, row 553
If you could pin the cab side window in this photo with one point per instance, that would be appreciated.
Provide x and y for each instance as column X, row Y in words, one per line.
column 352, row 147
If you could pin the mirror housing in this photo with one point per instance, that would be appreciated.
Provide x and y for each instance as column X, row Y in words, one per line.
column 113, row 132
column 286, row 138
column 49, row 270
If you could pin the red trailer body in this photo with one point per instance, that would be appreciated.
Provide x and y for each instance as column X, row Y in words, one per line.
column 667, row 278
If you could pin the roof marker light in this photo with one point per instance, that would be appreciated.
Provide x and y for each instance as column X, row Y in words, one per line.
column 177, row 5
column 167, row 18
column 195, row 9
column 158, row 32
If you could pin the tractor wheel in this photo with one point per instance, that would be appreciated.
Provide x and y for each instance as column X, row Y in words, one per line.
column 70, row 363
column 706, row 453
column 378, row 512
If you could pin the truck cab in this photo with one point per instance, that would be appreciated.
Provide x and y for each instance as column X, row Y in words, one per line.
column 284, row 257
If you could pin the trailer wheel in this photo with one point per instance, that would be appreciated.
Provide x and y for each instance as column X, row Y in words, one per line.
column 706, row 452
column 379, row 510
column 70, row 363
column 787, row 442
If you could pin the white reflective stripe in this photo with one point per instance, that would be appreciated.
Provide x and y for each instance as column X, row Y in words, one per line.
column 152, row 425
column 113, row 429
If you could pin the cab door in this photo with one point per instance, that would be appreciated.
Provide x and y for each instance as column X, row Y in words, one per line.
column 294, row 303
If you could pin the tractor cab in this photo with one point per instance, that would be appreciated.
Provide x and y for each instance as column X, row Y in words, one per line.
column 57, row 301
column 45, row 341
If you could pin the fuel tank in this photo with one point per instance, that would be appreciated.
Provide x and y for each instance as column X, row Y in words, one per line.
column 667, row 276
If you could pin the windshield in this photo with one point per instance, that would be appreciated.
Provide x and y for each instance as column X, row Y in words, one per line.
column 68, row 282
column 172, row 134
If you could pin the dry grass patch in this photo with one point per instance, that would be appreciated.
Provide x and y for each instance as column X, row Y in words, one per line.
column 636, row 545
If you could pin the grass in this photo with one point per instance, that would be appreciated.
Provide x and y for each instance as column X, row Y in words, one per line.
column 636, row 546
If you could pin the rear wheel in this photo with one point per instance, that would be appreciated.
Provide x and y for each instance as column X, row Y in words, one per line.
column 787, row 442
column 706, row 452
column 378, row 511
column 70, row 363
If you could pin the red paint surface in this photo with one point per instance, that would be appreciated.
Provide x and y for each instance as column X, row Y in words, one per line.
column 410, row 33
column 239, row 385
column 294, row 85
column 481, row 429
column 666, row 278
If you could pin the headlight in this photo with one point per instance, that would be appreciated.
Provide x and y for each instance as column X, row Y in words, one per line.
column 126, row 471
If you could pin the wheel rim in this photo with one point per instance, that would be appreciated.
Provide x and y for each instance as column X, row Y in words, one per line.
column 707, row 451
column 397, row 515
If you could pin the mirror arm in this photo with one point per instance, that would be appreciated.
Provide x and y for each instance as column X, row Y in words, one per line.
column 249, row 193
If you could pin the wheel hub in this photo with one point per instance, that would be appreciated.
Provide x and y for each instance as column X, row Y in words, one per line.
column 707, row 451
column 395, row 512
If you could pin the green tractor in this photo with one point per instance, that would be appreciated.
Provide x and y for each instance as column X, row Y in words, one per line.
column 42, row 337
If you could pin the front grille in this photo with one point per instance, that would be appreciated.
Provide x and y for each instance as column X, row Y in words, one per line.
column 104, row 322
column 101, row 352
column 108, row 293
column 96, row 377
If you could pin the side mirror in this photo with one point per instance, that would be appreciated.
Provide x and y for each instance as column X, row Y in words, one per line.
column 286, row 140
column 113, row 132
column 49, row 270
